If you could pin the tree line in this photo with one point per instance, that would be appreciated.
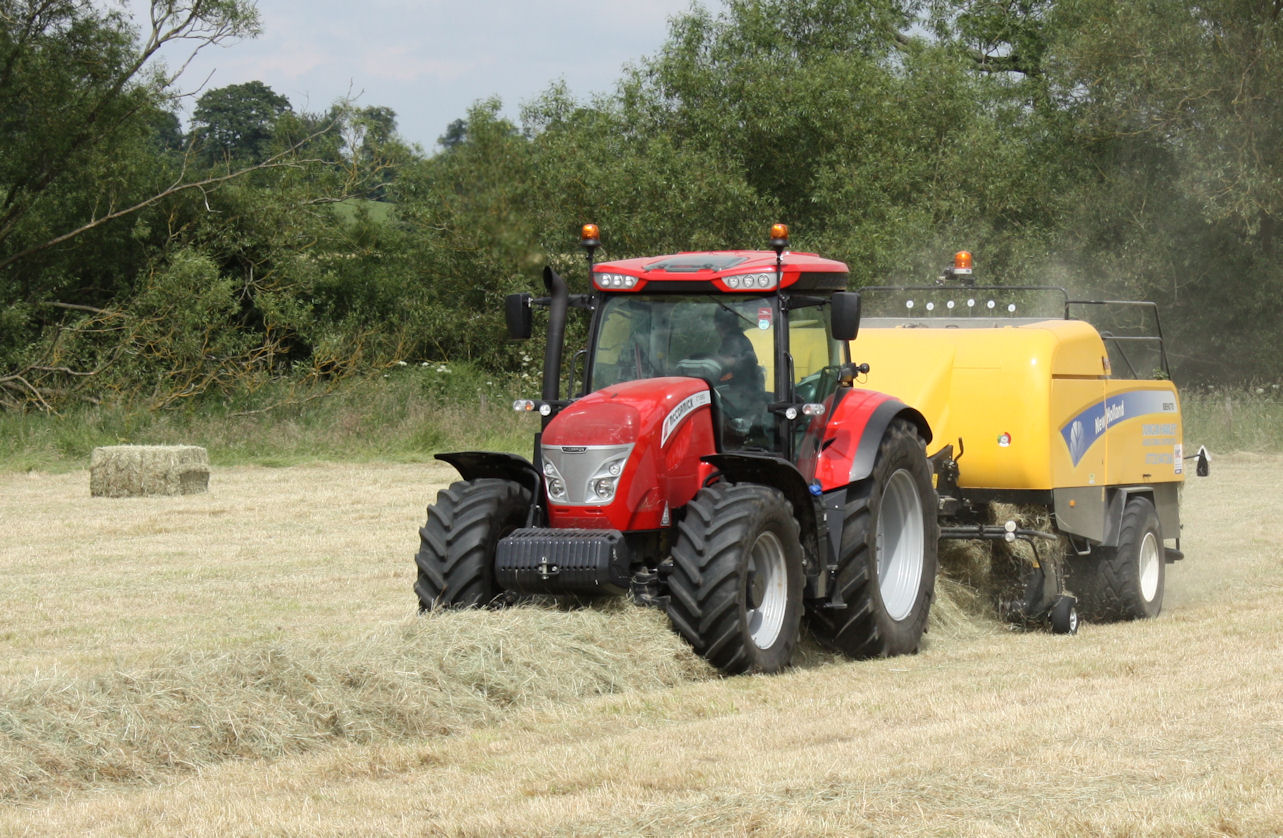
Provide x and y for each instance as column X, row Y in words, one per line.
column 1119, row 148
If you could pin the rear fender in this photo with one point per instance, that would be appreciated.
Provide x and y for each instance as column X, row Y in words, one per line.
column 1166, row 500
column 842, row 451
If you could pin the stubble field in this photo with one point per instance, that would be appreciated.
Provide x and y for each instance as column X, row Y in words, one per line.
column 249, row 662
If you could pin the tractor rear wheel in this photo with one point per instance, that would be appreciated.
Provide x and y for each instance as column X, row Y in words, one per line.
column 735, row 589
column 887, row 563
column 1123, row 582
column 457, row 544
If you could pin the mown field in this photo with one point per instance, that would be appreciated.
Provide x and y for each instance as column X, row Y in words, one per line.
column 249, row 662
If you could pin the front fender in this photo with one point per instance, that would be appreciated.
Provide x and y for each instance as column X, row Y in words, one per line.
column 474, row 464
column 742, row 467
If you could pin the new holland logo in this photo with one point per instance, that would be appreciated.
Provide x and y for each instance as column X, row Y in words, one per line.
column 1077, row 440
column 684, row 408
column 1093, row 422
column 1113, row 413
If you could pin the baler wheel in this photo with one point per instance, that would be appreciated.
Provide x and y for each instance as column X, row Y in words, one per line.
column 735, row 589
column 1124, row 582
column 457, row 544
column 1064, row 616
column 887, row 565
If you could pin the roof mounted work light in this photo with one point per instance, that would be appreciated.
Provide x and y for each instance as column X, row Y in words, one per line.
column 960, row 270
column 779, row 237
column 590, row 240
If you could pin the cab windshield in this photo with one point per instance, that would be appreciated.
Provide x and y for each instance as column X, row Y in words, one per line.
column 727, row 341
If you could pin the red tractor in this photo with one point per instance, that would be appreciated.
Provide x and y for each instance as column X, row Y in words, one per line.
column 716, row 461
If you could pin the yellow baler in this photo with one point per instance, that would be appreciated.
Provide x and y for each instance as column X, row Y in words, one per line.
column 1026, row 411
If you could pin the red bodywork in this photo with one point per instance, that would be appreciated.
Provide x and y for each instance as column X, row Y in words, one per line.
column 669, row 420
column 793, row 267
column 828, row 453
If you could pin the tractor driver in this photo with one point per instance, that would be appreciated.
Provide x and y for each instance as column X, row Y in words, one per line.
column 739, row 361
column 741, row 382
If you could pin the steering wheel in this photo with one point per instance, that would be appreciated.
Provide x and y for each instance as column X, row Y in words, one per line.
column 701, row 365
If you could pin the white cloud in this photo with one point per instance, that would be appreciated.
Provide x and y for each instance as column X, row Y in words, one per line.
column 429, row 61
column 407, row 64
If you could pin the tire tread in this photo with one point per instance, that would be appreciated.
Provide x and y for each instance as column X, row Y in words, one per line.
column 456, row 544
column 705, row 585
column 863, row 629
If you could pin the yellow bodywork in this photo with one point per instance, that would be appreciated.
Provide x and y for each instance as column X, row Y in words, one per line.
column 1034, row 404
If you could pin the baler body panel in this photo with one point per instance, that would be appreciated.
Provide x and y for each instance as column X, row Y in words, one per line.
column 1033, row 404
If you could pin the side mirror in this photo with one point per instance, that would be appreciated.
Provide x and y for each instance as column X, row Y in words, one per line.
column 517, row 313
column 845, row 314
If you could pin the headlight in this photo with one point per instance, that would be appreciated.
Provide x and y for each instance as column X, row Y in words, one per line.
column 750, row 282
column 605, row 480
column 553, row 480
column 583, row 475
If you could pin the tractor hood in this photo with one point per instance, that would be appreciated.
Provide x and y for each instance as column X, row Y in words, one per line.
column 624, row 413
column 624, row 456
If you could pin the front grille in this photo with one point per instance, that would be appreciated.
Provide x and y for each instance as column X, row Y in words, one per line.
column 577, row 465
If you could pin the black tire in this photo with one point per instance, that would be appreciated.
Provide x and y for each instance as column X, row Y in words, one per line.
column 457, row 544
column 887, row 592
column 1064, row 616
column 735, row 588
column 1124, row 582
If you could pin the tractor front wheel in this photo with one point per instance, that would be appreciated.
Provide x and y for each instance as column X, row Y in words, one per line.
column 886, row 568
column 735, row 588
column 457, row 544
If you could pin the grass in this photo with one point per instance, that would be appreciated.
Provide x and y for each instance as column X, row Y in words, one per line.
column 248, row 662
column 440, row 675
column 1246, row 418
column 403, row 414
column 409, row 412
column 378, row 211
column 271, row 616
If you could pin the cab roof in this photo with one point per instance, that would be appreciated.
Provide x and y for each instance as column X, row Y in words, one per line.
column 728, row 271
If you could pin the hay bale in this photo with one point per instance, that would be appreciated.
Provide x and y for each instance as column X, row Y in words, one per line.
column 122, row 471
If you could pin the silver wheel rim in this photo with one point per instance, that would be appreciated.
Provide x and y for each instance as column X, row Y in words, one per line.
column 900, row 544
column 1150, row 557
column 767, row 590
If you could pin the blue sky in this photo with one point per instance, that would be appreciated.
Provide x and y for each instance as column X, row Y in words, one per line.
column 429, row 61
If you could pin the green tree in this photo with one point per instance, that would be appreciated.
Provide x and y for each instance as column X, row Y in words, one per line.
column 237, row 122
column 1178, row 116
column 83, row 109
column 104, row 213
column 456, row 133
column 881, row 145
column 74, row 84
